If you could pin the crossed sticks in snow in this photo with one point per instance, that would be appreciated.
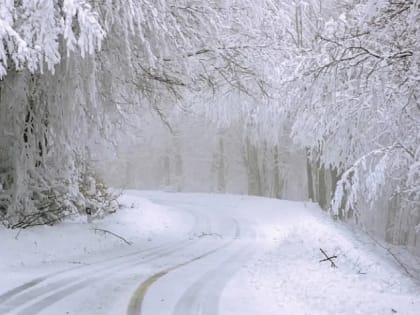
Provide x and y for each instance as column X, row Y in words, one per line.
column 328, row 258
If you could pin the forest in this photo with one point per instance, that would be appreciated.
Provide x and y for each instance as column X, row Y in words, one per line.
column 302, row 100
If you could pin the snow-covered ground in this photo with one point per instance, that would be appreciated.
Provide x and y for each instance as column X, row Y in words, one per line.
column 201, row 254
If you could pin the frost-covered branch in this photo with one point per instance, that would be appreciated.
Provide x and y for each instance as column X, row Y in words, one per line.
column 31, row 32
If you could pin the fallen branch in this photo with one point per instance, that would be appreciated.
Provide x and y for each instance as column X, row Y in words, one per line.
column 113, row 234
column 39, row 218
column 328, row 258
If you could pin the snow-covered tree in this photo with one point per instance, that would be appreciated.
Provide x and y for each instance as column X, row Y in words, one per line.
column 359, row 113
column 74, row 71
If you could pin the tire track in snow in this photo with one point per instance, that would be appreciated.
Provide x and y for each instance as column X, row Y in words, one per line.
column 198, row 224
column 61, row 293
column 34, row 282
column 136, row 302
column 203, row 296
column 60, row 289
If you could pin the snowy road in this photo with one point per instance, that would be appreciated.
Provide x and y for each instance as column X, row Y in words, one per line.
column 201, row 254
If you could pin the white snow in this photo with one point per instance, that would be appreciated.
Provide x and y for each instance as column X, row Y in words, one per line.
column 210, row 254
column 45, row 249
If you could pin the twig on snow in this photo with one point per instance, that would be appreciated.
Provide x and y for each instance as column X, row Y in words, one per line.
column 328, row 258
column 113, row 234
column 203, row 234
column 17, row 234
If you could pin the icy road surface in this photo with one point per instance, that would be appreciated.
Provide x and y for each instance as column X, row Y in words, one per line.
column 201, row 254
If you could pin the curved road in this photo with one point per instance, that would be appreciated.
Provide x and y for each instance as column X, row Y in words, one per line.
column 188, row 273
